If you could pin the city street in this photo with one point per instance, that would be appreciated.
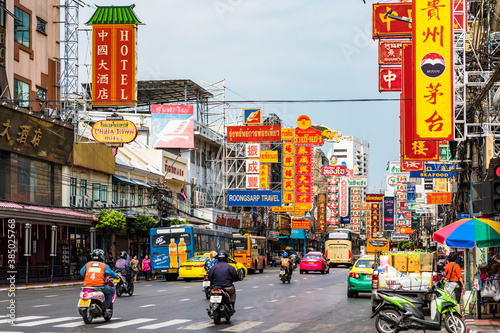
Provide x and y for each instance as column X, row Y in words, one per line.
column 311, row 303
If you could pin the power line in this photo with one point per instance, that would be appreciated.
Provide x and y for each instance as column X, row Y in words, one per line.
column 304, row 101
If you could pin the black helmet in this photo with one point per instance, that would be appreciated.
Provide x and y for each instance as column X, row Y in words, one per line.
column 124, row 255
column 222, row 256
column 98, row 255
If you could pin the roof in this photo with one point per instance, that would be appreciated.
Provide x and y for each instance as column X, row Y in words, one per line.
column 114, row 15
column 42, row 212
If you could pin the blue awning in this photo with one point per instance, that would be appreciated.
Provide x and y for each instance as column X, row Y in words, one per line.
column 121, row 179
column 140, row 182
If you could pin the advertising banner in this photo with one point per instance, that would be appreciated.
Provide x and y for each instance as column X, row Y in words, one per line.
column 433, row 68
column 304, row 198
column 343, row 198
column 252, row 116
column 388, row 213
column 321, row 212
column 370, row 197
column 114, row 131
column 385, row 27
column 173, row 126
column 283, row 209
column 432, row 174
column 253, row 198
column 389, row 79
column 264, row 176
column 309, row 136
column 288, row 197
column 358, row 182
column 113, row 69
column 252, row 150
column 288, row 185
column 333, row 170
column 301, row 224
column 268, row 157
column 264, row 133
column 408, row 166
column 252, row 166
column 390, row 52
column 439, row 198
column 304, row 150
column 287, row 133
column 252, row 181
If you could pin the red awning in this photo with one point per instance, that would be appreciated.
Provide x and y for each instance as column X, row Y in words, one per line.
column 43, row 213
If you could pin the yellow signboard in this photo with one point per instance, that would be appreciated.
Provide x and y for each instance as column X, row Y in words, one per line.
column 288, row 185
column 264, row 176
column 287, row 133
column 303, row 206
column 289, row 173
column 288, row 197
column 114, row 131
column 283, row 209
column 288, row 148
column 433, row 70
column 268, row 157
column 298, row 213
column 288, row 160
column 303, row 122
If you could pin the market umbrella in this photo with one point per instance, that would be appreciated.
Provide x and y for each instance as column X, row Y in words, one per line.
column 469, row 232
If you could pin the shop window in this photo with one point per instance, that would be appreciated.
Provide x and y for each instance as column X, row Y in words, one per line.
column 132, row 194
column 83, row 187
column 140, row 194
column 22, row 27
column 96, row 192
column 72, row 187
column 22, row 93
column 114, row 193
column 104, row 193
column 123, row 192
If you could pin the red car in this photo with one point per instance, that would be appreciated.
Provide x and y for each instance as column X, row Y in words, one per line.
column 314, row 261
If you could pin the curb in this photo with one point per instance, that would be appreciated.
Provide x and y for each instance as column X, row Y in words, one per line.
column 44, row 286
column 471, row 327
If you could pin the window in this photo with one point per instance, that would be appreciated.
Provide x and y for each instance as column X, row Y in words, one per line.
column 114, row 193
column 168, row 197
column 123, row 192
column 72, row 187
column 41, row 93
column 104, row 193
column 22, row 27
column 2, row 13
column 132, row 194
column 140, row 194
column 83, row 187
column 96, row 192
column 149, row 195
column 22, row 93
column 40, row 25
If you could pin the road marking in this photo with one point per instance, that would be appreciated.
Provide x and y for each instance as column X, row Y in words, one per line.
column 320, row 288
column 272, row 301
column 184, row 299
column 283, row 327
column 164, row 324
column 187, row 287
column 255, row 278
column 47, row 321
column 292, row 296
column 148, row 285
column 271, row 284
column 239, row 289
column 41, row 305
column 161, row 290
column 308, row 292
column 127, row 323
column 73, row 324
column 147, row 305
column 254, row 287
column 248, row 307
column 3, row 321
column 243, row 326
column 295, row 280
column 304, row 278
column 5, row 300
column 323, row 328
column 198, row 326
column 51, row 296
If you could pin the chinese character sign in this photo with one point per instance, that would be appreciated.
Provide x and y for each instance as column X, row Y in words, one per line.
column 433, row 68
column 113, row 64
column 389, row 79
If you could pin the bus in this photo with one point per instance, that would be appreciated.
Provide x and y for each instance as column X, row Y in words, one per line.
column 250, row 251
column 171, row 246
column 377, row 244
column 342, row 247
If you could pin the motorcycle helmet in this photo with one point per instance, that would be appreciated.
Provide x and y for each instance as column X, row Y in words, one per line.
column 213, row 254
column 124, row 255
column 98, row 255
column 222, row 256
column 285, row 255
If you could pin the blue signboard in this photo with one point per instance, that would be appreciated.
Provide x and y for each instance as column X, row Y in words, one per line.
column 411, row 192
column 432, row 174
column 254, row 198
column 388, row 213
column 298, row 234
column 439, row 167
column 463, row 216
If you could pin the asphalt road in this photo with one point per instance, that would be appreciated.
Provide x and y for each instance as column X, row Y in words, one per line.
column 311, row 303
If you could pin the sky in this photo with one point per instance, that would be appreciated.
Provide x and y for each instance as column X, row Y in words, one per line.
column 272, row 50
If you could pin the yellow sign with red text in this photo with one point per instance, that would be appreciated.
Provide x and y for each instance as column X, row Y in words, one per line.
column 301, row 224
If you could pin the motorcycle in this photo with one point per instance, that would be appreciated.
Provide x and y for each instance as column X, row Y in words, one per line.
column 220, row 305
column 92, row 303
column 399, row 313
column 285, row 276
column 121, row 285
column 206, row 286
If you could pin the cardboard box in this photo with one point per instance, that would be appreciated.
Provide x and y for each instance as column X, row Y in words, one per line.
column 426, row 261
column 413, row 265
column 400, row 262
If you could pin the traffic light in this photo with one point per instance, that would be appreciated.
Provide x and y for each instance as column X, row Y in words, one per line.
column 491, row 193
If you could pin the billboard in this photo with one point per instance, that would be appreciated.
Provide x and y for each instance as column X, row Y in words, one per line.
column 254, row 198
column 114, row 131
column 388, row 213
column 257, row 133
column 173, row 126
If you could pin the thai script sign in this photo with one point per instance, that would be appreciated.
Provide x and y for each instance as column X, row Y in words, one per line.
column 173, row 126
column 287, row 133
column 439, row 198
column 343, row 198
column 268, row 157
column 358, row 182
column 333, row 170
column 390, row 52
column 370, row 197
column 265, row 133
column 283, row 209
column 114, row 131
column 253, row 198
column 301, row 224
column 309, row 136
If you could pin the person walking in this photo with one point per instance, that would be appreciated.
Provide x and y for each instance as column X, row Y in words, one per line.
column 453, row 273
column 146, row 268
column 135, row 267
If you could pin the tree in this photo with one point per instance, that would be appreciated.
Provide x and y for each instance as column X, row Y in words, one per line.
column 140, row 227
column 175, row 221
column 110, row 221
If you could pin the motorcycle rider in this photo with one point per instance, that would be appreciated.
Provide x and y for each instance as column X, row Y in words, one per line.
column 294, row 259
column 124, row 267
column 93, row 273
column 286, row 263
column 211, row 261
column 223, row 275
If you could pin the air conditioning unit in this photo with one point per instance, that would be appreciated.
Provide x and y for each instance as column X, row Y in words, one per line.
column 87, row 202
column 194, row 181
column 76, row 201
column 98, row 204
column 123, row 203
column 199, row 198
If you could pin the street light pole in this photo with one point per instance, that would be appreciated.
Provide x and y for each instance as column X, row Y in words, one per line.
column 53, row 249
column 27, row 248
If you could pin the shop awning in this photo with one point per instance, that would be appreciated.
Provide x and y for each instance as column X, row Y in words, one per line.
column 178, row 180
column 140, row 182
column 121, row 179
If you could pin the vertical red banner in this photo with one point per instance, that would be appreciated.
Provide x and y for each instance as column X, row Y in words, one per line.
column 125, row 63
column 102, row 37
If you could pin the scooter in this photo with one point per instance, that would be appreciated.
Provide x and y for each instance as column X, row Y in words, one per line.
column 284, row 275
column 92, row 303
column 206, row 286
column 121, row 285
column 400, row 313
column 220, row 305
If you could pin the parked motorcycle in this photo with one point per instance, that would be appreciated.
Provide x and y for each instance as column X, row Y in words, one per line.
column 400, row 313
column 285, row 276
column 121, row 285
column 206, row 286
column 220, row 305
column 92, row 303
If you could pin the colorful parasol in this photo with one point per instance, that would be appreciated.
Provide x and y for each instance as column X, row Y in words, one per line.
column 469, row 232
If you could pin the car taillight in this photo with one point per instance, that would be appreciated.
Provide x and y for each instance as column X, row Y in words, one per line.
column 375, row 280
column 180, row 266
column 354, row 275
column 205, row 278
column 350, row 254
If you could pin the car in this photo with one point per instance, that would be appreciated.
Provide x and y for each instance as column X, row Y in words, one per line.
column 194, row 268
column 360, row 276
column 314, row 261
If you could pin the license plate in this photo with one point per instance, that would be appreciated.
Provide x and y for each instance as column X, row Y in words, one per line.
column 84, row 302
column 189, row 267
column 172, row 270
column 282, row 272
column 116, row 280
column 215, row 299
column 368, row 277
column 206, row 284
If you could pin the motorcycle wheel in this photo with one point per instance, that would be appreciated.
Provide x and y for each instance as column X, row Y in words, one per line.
column 207, row 293
column 87, row 317
column 384, row 327
column 217, row 317
column 108, row 317
column 454, row 324
column 119, row 292
column 131, row 290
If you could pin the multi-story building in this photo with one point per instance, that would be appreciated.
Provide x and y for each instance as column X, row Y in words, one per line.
column 352, row 152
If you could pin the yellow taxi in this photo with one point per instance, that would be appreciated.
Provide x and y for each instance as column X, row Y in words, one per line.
column 360, row 276
column 194, row 268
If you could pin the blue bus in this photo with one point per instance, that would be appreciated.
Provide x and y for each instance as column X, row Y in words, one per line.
column 174, row 245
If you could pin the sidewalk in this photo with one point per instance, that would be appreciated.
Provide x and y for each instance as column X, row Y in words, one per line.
column 36, row 285
column 487, row 324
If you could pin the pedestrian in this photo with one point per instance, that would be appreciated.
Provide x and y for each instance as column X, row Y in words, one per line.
column 146, row 268
column 453, row 274
column 135, row 267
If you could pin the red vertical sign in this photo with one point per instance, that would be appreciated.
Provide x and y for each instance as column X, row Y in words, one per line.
column 125, row 63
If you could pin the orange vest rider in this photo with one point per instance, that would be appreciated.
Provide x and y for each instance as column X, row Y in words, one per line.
column 94, row 275
column 285, row 262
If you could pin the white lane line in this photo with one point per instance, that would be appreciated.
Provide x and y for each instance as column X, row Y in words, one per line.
column 254, row 287
column 127, row 323
column 41, row 305
column 243, row 326
column 184, row 299
column 255, row 278
column 187, row 287
column 51, row 296
column 323, row 328
column 148, row 285
column 320, row 288
column 304, row 278
column 239, row 289
column 4, row 300
column 272, row 301
column 74, row 324
column 292, row 296
column 308, row 292
column 283, row 327
column 271, row 284
column 162, row 290
column 47, row 321
column 248, row 307
column 198, row 326
column 295, row 280
column 147, row 305
column 3, row 321
column 164, row 324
